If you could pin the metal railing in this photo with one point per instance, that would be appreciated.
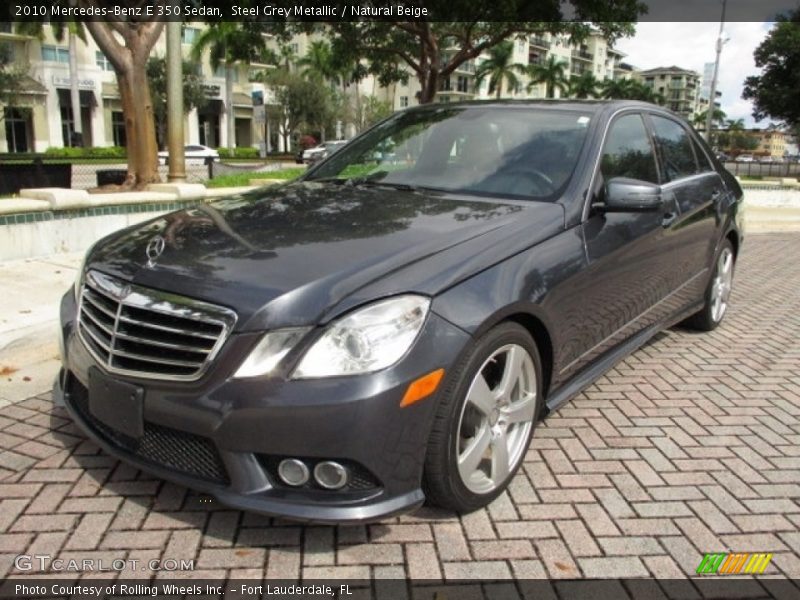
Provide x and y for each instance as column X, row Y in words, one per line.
column 763, row 169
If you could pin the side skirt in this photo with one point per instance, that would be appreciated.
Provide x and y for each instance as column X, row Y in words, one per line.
column 585, row 377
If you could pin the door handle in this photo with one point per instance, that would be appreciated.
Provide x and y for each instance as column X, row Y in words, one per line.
column 669, row 219
column 716, row 195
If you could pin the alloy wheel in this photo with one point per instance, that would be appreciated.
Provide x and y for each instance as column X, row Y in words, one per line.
column 496, row 419
column 722, row 285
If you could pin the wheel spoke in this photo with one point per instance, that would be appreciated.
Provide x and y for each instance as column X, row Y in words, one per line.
column 727, row 264
column 522, row 410
column 511, row 372
column 480, row 396
column 469, row 460
column 500, row 466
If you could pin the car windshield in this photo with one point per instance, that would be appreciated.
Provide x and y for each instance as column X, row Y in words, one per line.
column 483, row 150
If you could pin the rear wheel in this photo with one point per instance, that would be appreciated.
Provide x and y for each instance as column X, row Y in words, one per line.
column 485, row 420
column 718, row 292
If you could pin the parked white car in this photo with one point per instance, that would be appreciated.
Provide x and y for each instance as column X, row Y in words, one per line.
column 745, row 158
column 324, row 150
column 195, row 155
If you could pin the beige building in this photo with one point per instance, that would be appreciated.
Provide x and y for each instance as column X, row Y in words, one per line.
column 679, row 87
column 41, row 115
column 771, row 142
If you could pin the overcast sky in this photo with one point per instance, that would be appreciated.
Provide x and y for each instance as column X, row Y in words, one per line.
column 691, row 44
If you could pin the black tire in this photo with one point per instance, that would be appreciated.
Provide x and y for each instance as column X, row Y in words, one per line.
column 704, row 319
column 442, row 483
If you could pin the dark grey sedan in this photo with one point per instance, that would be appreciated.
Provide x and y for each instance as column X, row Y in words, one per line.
column 391, row 327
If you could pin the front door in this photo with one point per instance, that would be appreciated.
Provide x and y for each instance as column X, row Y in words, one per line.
column 631, row 258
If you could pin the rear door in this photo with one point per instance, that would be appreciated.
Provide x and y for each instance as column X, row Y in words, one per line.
column 689, row 177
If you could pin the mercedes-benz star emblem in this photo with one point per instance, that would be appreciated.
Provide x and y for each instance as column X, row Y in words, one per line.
column 155, row 248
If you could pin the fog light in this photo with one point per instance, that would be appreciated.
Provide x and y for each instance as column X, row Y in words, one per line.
column 330, row 475
column 293, row 472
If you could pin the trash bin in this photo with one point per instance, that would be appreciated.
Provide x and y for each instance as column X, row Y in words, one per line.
column 111, row 177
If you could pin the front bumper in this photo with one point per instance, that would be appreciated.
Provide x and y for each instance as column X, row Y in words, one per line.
column 223, row 436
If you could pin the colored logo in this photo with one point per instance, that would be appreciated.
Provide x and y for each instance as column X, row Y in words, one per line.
column 723, row 563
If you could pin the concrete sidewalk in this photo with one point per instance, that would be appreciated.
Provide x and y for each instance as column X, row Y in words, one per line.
column 31, row 292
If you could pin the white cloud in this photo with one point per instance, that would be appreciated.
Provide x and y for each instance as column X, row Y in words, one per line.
column 692, row 44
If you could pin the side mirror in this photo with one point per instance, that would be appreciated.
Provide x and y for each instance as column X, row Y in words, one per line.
column 631, row 195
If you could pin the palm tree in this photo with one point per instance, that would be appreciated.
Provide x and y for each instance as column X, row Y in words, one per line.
column 583, row 86
column 228, row 43
column 699, row 119
column 499, row 69
column 552, row 73
column 318, row 62
column 612, row 89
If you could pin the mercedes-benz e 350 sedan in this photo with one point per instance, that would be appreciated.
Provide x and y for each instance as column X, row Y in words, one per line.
column 391, row 327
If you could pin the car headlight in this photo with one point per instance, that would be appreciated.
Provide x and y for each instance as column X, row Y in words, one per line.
column 369, row 339
column 270, row 350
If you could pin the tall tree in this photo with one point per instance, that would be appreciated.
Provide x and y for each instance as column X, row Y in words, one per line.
column 583, row 86
column 460, row 30
column 127, row 46
column 552, row 73
column 318, row 62
column 776, row 91
column 194, row 92
column 699, row 119
column 228, row 43
column 500, row 69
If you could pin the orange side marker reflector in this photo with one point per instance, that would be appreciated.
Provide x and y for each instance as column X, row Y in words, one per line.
column 422, row 387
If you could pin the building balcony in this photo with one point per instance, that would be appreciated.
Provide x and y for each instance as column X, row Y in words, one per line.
column 582, row 55
column 539, row 41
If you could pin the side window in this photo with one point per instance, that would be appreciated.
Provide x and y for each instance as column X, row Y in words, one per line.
column 628, row 152
column 677, row 156
column 703, row 162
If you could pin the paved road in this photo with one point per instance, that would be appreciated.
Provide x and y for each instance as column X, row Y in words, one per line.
column 691, row 445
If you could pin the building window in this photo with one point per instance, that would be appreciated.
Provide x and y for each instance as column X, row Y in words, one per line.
column 118, row 129
column 102, row 62
column 67, row 127
column 55, row 54
column 189, row 35
column 462, row 84
column 5, row 27
column 18, row 129
column 444, row 84
column 403, row 101
column 444, row 99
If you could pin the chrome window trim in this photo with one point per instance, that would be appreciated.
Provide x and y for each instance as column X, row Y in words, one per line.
column 148, row 299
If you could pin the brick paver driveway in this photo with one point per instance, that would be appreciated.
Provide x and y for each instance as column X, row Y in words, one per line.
column 688, row 446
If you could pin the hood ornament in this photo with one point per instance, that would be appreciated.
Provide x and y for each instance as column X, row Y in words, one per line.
column 155, row 248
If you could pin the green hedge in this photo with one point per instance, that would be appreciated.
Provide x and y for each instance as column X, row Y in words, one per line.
column 98, row 152
column 238, row 152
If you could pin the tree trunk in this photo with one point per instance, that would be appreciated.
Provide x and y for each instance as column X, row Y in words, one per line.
column 140, row 127
column 229, row 67
column 499, row 90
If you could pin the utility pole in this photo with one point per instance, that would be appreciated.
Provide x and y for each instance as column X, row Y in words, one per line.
column 74, row 93
column 177, row 158
column 712, row 101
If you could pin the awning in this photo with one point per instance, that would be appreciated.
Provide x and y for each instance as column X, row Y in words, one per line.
column 109, row 90
column 28, row 85
column 87, row 98
column 242, row 100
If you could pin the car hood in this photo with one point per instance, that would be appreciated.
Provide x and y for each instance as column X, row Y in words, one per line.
column 288, row 256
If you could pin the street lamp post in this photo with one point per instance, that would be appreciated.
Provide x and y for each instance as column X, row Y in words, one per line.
column 712, row 100
column 177, row 158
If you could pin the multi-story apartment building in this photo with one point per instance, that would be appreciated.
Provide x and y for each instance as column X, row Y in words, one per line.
column 41, row 115
column 771, row 142
column 678, row 86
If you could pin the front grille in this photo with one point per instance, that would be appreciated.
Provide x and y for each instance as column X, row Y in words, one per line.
column 184, row 452
column 142, row 332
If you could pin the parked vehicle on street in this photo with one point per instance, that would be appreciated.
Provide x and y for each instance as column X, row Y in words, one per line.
column 194, row 153
column 323, row 151
column 376, row 334
column 745, row 158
